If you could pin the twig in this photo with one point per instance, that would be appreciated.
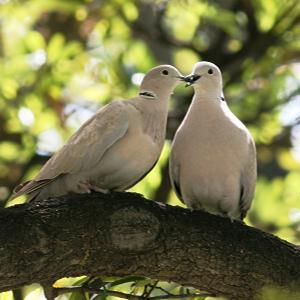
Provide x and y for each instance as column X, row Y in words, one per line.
column 182, row 296
column 17, row 294
column 49, row 290
column 72, row 289
column 152, row 287
column 163, row 290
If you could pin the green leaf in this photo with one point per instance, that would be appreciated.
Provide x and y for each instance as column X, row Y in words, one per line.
column 78, row 296
column 55, row 47
column 34, row 41
column 102, row 296
column 125, row 280
column 81, row 281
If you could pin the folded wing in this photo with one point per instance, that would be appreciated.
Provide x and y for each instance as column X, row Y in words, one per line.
column 84, row 149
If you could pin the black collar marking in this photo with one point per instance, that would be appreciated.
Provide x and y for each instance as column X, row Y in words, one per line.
column 147, row 94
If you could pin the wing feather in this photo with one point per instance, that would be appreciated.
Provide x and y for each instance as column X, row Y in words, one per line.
column 29, row 187
column 85, row 147
column 248, row 181
column 174, row 170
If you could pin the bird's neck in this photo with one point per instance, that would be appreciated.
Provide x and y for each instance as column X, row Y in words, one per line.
column 205, row 107
column 155, row 124
column 211, row 95
column 155, row 100
column 154, row 111
column 155, row 89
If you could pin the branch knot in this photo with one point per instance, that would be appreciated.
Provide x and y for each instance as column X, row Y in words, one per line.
column 133, row 229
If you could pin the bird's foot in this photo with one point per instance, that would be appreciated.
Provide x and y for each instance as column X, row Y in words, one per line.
column 193, row 208
column 100, row 190
column 84, row 186
column 232, row 219
column 161, row 205
column 88, row 187
column 227, row 216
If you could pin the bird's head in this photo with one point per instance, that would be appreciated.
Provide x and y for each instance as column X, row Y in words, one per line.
column 161, row 80
column 205, row 75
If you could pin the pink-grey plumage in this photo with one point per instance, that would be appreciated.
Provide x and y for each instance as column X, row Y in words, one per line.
column 114, row 149
column 213, row 156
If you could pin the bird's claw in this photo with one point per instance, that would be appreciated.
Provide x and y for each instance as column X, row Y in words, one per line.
column 88, row 187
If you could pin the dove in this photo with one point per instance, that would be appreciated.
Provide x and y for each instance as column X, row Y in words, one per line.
column 213, row 155
column 115, row 148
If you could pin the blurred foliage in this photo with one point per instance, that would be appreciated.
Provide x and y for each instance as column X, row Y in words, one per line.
column 62, row 60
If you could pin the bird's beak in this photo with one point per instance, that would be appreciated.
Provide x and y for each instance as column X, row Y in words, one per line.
column 190, row 79
column 182, row 78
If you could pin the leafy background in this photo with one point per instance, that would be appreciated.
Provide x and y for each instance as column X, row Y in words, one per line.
column 60, row 61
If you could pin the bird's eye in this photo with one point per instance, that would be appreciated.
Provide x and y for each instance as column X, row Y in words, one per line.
column 210, row 71
column 165, row 72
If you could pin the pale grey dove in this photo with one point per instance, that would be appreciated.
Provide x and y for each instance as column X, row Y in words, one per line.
column 213, row 155
column 115, row 148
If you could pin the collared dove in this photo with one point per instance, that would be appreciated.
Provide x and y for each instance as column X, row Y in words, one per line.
column 213, row 155
column 115, row 148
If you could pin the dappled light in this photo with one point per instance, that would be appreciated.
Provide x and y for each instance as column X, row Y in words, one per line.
column 61, row 61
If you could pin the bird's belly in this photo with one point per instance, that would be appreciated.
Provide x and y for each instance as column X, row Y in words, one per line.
column 125, row 163
column 210, row 184
column 220, row 195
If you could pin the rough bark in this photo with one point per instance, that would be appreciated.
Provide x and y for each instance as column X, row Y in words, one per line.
column 122, row 233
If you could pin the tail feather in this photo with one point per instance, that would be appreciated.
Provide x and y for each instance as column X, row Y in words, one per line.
column 30, row 187
column 20, row 186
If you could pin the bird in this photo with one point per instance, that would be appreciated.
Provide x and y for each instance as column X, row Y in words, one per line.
column 213, row 155
column 115, row 148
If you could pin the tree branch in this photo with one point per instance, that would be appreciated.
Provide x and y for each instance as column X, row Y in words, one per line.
column 121, row 234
